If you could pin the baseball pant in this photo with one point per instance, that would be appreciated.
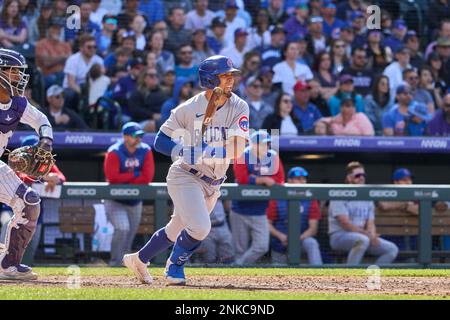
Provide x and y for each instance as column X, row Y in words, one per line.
column 218, row 246
column 126, row 220
column 250, row 237
column 358, row 244
column 193, row 201
column 309, row 245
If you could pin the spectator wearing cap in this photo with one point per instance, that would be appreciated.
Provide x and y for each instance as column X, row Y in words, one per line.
column 289, row 71
column 259, row 34
column 165, row 60
column 412, row 42
column 277, row 13
column 394, row 121
column 177, row 34
column 105, row 38
column 357, row 22
column 361, row 75
column 444, row 32
column 185, row 66
column 317, row 41
column 237, row 51
column 138, row 25
column 146, row 101
column 60, row 117
column 305, row 111
column 37, row 28
column 259, row 165
column 420, row 95
column 348, row 122
column 443, row 50
column 297, row 24
column 394, row 71
column 130, row 9
column 182, row 91
column 199, row 18
column 86, row 25
column 330, row 22
column 378, row 55
column 126, row 85
column 378, row 102
column 352, row 225
column 233, row 22
column 271, row 54
column 439, row 125
column 277, row 214
column 216, row 41
column 346, row 90
column 153, row 10
column 347, row 35
column 128, row 161
column 200, row 47
column 51, row 55
column 269, row 92
column 259, row 109
column 417, row 120
column 283, row 118
column 76, row 69
column 395, row 41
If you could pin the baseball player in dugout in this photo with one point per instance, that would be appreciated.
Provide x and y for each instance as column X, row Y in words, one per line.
column 23, row 200
column 202, row 135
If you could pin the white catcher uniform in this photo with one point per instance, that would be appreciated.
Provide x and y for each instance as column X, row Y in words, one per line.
column 193, row 197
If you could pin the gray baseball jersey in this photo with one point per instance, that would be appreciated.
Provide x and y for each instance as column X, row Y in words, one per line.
column 359, row 212
column 185, row 123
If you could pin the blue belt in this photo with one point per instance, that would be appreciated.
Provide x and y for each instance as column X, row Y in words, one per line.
column 211, row 181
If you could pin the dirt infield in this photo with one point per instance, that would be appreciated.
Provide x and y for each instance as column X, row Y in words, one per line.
column 427, row 286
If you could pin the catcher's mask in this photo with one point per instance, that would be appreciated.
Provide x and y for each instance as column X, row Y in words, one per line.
column 13, row 75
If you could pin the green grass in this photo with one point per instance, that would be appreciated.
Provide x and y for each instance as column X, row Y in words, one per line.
column 27, row 292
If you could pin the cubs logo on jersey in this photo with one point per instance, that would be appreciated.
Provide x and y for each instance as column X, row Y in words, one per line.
column 132, row 163
column 244, row 123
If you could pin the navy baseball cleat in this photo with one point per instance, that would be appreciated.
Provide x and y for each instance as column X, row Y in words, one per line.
column 174, row 274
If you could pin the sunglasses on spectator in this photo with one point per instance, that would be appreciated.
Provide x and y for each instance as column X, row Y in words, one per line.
column 92, row 46
column 359, row 175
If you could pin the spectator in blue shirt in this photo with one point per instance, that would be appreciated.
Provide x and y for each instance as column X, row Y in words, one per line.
column 182, row 91
column 271, row 54
column 346, row 90
column 185, row 66
column 297, row 24
column 395, row 41
column 417, row 120
column 394, row 121
column 85, row 23
column 307, row 112
column 330, row 22
column 153, row 10
column 216, row 40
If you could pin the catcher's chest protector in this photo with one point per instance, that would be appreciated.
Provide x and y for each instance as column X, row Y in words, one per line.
column 9, row 119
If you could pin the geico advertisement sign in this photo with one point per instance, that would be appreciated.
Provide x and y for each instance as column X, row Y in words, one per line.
column 81, row 192
column 124, row 192
column 343, row 193
column 255, row 193
column 383, row 193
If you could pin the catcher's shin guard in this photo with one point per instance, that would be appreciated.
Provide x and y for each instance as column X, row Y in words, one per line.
column 20, row 229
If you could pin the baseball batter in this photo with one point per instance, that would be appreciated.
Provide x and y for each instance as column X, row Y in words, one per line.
column 195, row 177
column 24, row 201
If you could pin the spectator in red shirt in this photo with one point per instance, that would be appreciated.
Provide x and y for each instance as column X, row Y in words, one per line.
column 128, row 161
column 277, row 214
column 259, row 165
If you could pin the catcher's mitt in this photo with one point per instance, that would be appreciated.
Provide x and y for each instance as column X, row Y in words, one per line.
column 31, row 160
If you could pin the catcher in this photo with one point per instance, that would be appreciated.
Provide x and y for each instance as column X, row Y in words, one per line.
column 35, row 161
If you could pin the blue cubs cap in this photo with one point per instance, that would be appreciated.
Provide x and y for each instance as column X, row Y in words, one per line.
column 403, row 88
column 132, row 129
column 401, row 174
column 400, row 24
column 30, row 140
column 296, row 172
column 355, row 15
column 301, row 4
column 420, row 110
column 260, row 136
column 240, row 32
column 231, row 4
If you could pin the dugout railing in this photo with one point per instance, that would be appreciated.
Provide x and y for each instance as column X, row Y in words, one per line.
column 425, row 195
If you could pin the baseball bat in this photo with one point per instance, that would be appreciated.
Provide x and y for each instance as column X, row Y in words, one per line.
column 211, row 108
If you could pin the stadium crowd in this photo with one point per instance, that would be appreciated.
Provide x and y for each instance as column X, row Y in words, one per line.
column 308, row 66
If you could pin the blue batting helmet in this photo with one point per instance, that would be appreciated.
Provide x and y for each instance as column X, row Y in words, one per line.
column 211, row 68
column 14, row 82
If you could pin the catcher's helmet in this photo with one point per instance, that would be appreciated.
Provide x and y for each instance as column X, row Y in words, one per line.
column 16, row 80
column 211, row 67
